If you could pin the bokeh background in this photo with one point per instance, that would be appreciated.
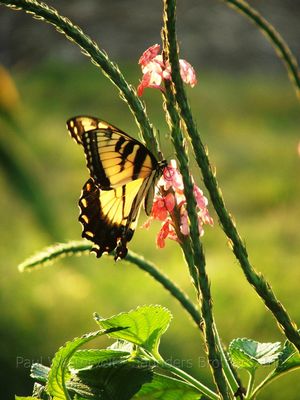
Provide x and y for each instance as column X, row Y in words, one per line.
column 249, row 118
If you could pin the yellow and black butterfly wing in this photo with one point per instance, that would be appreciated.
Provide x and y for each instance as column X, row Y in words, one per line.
column 109, row 217
column 113, row 157
column 123, row 173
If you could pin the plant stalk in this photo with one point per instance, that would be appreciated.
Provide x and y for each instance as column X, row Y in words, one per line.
column 171, row 54
column 256, row 280
column 188, row 378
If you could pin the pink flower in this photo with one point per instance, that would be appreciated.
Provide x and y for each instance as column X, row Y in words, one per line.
column 171, row 186
column 171, row 178
column 184, row 223
column 149, row 54
column 166, row 231
column 155, row 71
column 162, row 206
column 187, row 73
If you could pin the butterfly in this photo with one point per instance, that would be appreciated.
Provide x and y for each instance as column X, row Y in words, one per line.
column 123, row 174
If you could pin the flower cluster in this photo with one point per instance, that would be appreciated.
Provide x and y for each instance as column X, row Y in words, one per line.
column 170, row 195
column 155, row 70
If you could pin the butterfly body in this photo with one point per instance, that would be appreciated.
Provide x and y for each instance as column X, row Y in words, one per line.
column 123, row 173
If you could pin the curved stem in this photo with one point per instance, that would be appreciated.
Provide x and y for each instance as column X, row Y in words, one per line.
column 188, row 378
column 51, row 254
column 281, row 47
column 98, row 57
column 165, row 281
column 268, row 379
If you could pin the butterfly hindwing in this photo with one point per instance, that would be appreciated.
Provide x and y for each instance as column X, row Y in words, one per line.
column 123, row 173
column 104, row 231
column 109, row 217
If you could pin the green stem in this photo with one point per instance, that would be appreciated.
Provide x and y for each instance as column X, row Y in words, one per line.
column 170, row 50
column 233, row 383
column 202, row 283
column 250, row 384
column 281, row 47
column 51, row 254
column 261, row 286
column 98, row 57
column 269, row 378
column 165, row 281
column 188, row 378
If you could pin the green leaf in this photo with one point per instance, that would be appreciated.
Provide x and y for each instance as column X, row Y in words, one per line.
column 249, row 354
column 143, row 326
column 88, row 358
column 39, row 372
column 288, row 359
column 59, row 368
column 122, row 345
column 166, row 388
column 116, row 382
column 24, row 398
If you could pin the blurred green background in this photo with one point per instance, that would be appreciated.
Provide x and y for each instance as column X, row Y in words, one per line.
column 250, row 122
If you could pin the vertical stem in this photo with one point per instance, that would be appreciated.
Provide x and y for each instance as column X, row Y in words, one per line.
column 204, row 294
column 250, row 383
column 256, row 279
column 233, row 383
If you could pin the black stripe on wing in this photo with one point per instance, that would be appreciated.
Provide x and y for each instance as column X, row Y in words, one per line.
column 109, row 153
column 94, row 164
column 103, row 232
column 113, row 140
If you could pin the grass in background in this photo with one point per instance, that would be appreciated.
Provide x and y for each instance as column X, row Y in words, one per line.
column 251, row 127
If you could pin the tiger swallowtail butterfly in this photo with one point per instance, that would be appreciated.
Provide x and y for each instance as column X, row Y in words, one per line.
column 123, row 173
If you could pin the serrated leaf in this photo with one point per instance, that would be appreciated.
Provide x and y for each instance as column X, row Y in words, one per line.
column 249, row 354
column 59, row 368
column 88, row 358
column 118, row 382
column 39, row 372
column 166, row 388
column 288, row 359
column 143, row 326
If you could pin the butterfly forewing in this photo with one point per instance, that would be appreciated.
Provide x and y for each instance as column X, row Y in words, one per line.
column 77, row 126
column 113, row 158
column 123, row 173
